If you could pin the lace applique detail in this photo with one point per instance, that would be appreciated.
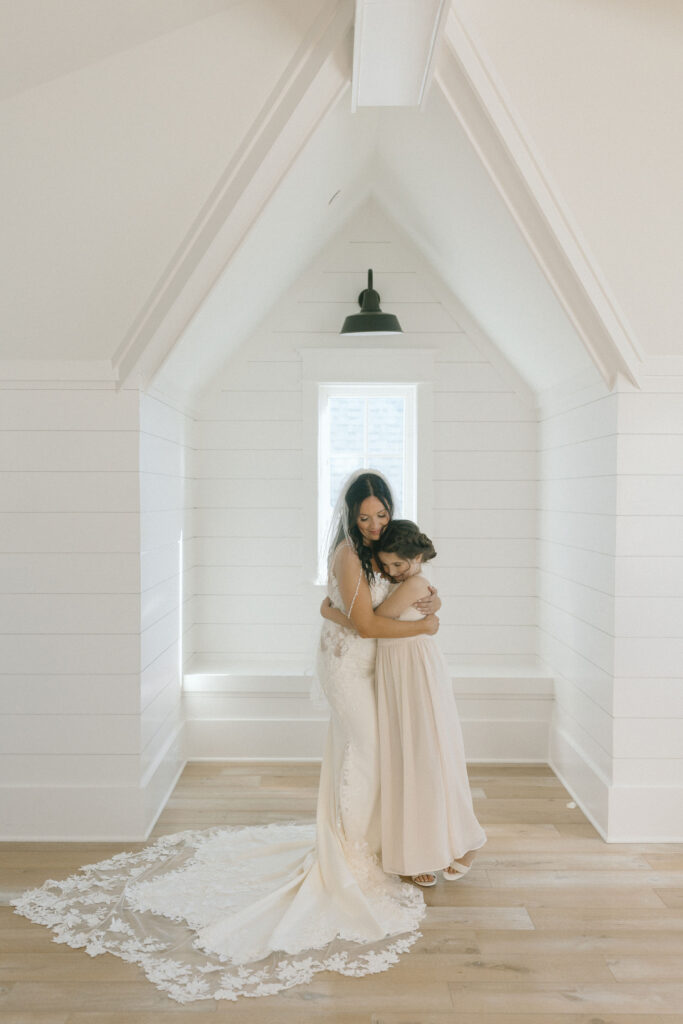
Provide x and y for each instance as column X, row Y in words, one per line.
column 144, row 908
column 344, row 806
column 334, row 639
column 341, row 642
column 251, row 911
column 338, row 641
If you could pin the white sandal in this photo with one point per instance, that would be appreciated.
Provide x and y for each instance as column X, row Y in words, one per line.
column 425, row 885
column 460, row 871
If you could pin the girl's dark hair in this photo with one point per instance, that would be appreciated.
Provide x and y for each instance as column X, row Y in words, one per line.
column 404, row 539
column 367, row 485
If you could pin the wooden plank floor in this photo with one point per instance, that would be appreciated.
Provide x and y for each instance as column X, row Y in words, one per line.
column 550, row 925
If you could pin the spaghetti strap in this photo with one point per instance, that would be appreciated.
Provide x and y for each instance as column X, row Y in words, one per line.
column 353, row 600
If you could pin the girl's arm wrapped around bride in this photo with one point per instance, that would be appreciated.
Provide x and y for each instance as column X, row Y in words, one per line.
column 403, row 597
column 356, row 596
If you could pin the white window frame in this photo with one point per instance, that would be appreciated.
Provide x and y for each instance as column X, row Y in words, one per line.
column 370, row 367
column 408, row 392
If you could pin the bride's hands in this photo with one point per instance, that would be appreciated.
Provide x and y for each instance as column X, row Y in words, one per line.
column 326, row 609
column 431, row 624
column 429, row 605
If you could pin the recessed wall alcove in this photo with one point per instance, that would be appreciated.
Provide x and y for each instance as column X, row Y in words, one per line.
column 251, row 647
column 252, row 617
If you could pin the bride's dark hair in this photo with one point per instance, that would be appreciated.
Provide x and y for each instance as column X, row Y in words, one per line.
column 367, row 485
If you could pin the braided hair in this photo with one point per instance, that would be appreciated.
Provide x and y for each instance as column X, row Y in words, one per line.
column 403, row 538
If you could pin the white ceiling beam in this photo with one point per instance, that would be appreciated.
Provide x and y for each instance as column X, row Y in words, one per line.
column 394, row 49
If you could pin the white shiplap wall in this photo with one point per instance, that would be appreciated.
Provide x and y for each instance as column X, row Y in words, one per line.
column 70, row 611
column 611, row 601
column 647, row 796
column 255, row 609
column 577, row 553
column 165, row 592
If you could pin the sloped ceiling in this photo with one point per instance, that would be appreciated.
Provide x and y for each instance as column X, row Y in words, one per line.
column 598, row 89
column 419, row 166
column 104, row 167
column 433, row 183
column 330, row 179
column 41, row 41
column 116, row 128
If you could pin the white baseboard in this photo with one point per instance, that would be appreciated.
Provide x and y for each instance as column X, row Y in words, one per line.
column 621, row 814
column 161, row 779
column 92, row 814
column 581, row 778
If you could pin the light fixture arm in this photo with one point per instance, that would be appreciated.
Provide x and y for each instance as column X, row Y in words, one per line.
column 368, row 300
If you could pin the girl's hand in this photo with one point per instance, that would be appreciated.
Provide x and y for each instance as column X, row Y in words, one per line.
column 431, row 624
column 429, row 605
column 332, row 614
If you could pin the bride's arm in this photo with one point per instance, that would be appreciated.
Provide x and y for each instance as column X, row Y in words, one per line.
column 355, row 593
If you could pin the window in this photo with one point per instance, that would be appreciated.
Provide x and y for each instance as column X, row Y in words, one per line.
column 362, row 372
column 365, row 426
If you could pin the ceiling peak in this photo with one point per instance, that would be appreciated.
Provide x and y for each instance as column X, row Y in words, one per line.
column 394, row 51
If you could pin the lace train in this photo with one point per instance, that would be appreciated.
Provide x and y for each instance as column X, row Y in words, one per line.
column 185, row 908
column 253, row 910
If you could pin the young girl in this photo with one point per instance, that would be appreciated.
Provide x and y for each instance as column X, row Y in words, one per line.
column 428, row 821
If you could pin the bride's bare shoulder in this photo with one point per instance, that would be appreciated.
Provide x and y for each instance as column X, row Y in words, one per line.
column 345, row 558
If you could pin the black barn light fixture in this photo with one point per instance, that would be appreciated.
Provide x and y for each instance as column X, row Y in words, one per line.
column 371, row 319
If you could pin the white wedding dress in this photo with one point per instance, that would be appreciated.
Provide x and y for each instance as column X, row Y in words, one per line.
column 249, row 911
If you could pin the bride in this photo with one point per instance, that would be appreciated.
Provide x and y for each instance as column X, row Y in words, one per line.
column 251, row 911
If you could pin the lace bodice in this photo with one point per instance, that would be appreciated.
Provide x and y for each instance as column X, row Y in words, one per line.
column 379, row 588
column 340, row 641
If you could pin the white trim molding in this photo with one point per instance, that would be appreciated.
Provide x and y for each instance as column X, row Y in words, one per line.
column 313, row 81
column 485, row 114
column 266, row 714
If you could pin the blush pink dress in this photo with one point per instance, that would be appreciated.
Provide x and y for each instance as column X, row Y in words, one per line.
column 427, row 815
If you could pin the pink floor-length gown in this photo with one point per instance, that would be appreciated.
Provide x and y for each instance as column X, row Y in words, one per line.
column 427, row 815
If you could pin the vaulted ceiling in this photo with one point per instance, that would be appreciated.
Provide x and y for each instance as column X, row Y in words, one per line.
column 406, row 161
column 165, row 156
